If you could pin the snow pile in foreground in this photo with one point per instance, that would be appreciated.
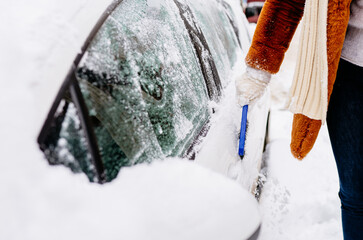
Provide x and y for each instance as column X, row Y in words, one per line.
column 172, row 199
column 300, row 199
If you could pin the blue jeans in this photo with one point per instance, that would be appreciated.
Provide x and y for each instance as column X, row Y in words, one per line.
column 345, row 125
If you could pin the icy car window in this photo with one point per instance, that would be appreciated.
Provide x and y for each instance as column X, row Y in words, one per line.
column 219, row 33
column 233, row 21
column 143, row 86
column 66, row 143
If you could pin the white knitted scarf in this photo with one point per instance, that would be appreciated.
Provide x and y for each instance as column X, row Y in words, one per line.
column 308, row 93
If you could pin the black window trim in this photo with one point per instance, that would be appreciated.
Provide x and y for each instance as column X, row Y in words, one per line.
column 231, row 17
column 200, row 43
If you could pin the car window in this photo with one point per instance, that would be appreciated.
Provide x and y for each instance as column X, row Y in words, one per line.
column 143, row 87
column 219, row 33
column 233, row 21
column 207, row 64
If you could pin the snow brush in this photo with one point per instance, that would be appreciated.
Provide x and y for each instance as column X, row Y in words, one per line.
column 242, row 136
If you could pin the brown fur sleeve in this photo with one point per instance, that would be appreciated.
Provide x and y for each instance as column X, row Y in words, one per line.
column 275, row 29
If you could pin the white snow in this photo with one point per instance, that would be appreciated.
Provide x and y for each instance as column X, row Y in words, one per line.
column 171, row 199
column 219, row 148
column 300, row 198
column 154, row 3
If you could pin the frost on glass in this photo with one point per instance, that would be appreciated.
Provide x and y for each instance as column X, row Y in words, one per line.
column 143, row 86
column 216, row 26
column 201, row 47
column 65, row 143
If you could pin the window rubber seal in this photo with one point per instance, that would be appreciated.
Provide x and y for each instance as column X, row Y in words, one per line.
column 212, row 80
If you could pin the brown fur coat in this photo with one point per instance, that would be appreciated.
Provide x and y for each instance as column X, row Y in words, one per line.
column 275, row 29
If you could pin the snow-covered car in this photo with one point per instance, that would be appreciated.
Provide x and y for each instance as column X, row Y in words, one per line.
column 146, row 85
column 138, row 93
column 172, row 198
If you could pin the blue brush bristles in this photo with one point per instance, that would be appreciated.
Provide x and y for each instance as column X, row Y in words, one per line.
column 242, row 137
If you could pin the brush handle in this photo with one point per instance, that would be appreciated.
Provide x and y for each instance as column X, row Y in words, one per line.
column 242, row 137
